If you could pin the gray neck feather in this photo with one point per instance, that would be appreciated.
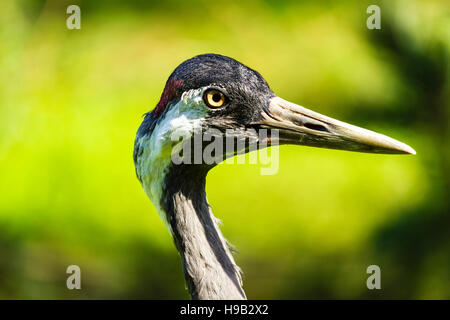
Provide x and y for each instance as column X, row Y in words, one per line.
column 208, row 264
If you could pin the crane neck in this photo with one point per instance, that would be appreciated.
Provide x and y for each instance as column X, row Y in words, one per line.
column 209, row 268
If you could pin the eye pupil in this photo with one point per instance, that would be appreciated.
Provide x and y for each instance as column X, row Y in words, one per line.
column 216, row 97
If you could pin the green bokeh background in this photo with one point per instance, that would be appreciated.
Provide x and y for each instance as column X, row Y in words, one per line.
column 71, row 102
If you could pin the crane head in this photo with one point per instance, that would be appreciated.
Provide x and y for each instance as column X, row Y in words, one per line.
column 216, row 92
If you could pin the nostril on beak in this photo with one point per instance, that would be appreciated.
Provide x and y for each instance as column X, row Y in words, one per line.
column 317, row 127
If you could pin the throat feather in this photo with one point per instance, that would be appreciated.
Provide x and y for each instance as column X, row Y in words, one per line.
column 208, row 264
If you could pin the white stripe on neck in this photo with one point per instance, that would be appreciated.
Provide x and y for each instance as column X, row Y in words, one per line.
column 153, row 163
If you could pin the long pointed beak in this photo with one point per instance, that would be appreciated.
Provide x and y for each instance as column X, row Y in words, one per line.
column 301, row 126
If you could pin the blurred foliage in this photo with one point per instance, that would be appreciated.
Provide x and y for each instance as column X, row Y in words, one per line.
column 71, row 102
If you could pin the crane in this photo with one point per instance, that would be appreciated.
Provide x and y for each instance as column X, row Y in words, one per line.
column 212, row 91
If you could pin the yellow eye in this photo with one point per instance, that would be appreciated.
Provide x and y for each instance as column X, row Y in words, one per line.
column 214, row 98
